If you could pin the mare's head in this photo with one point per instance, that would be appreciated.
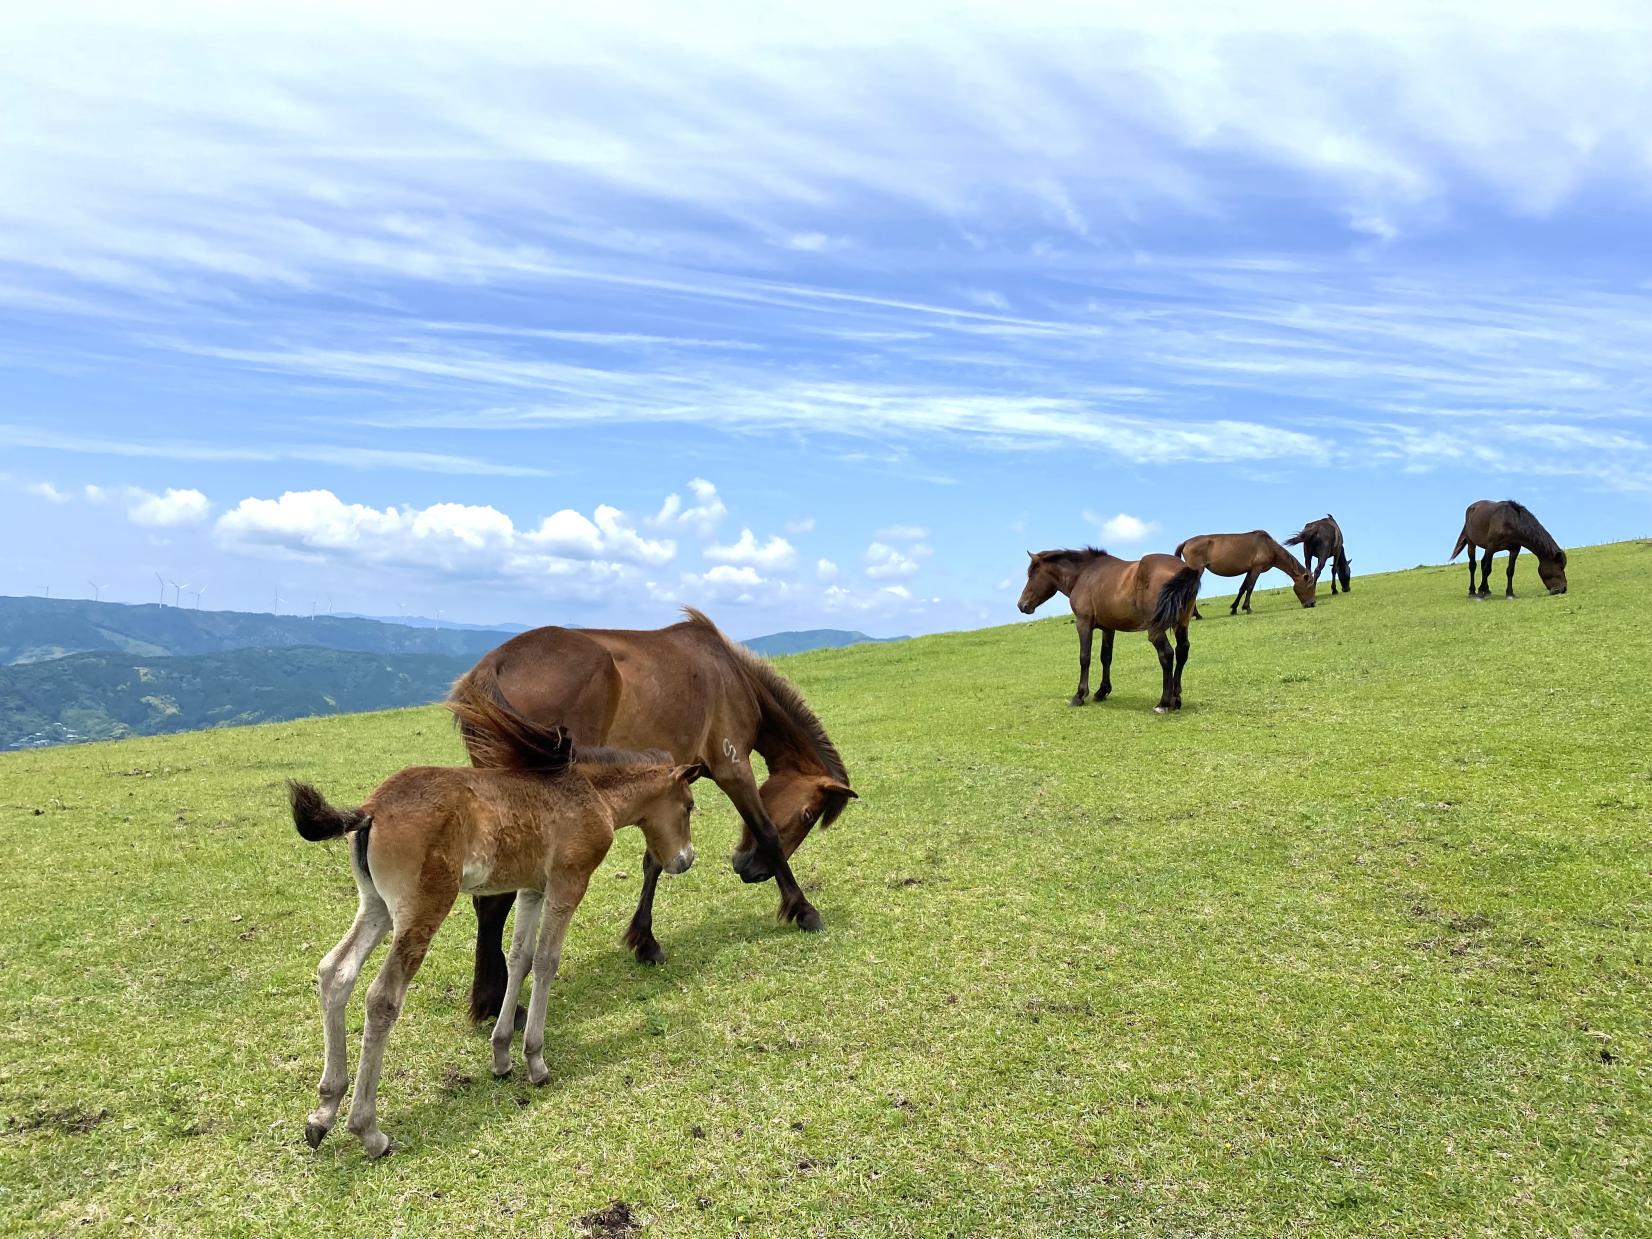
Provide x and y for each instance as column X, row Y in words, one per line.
column 1306, row 587
column 664, row 814
column 1552, row 572
column 1344, row 568
column 796, row 803
column 1046, row 572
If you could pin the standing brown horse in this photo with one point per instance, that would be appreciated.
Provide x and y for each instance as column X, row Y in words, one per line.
column 690, row 691
column 1155, row 593
column 1322, row 540
column 1248, row 555
column 1507, row 526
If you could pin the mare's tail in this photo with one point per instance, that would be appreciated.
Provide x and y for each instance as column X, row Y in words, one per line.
column 1178, row 551
column 316, row 819
column 496, row 735
column 1296, row 538
column 1176, row 597
column 1462, row 541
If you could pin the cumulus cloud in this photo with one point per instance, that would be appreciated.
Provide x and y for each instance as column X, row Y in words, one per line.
column 884, row 561
column 825, row 569
column 1122, row 527
column 173, row 507
column 800, row 525
column 701, row 516
column 453, row 537
column 48, row 492
column 773, row 555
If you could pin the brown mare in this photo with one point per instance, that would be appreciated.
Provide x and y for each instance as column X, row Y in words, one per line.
column 1155, row 593
column 430, row 832
column 686, row 689
column 1248, row 555
column 1507, row 526
column 1322, row 540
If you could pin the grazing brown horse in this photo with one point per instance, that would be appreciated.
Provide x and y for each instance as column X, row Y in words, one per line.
column 430, row 832
column 686, row 689
column 1155, row 593
column 1322, row 540
column 1508, row 526
column 1248, row 555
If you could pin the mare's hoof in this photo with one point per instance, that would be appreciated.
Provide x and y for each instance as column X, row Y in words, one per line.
column 314, row 1134
column 805, row 918
column 1161, row 709
column 1077, row 700
column 648, row 952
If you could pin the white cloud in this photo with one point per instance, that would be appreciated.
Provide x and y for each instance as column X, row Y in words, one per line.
column 45, row 490
column 702, row 516
column 884, row 561
column 902, row 533
column 775, row 554
column 174, row 507
column 1121, row 528
column 825, row 569
column 446, row 537
column 800, row 525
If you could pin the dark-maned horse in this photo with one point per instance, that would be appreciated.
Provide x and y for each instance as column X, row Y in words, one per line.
column 1508, row 526
column 1322, row 540
column 1248, row 555
column 688, row 690
column 1155, row 593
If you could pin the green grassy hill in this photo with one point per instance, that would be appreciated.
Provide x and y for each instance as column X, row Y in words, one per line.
column 1357, row 943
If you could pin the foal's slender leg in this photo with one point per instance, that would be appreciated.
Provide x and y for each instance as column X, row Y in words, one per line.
column 1182, row 645
column 1161, row 643
column 517, row 964
column 1514, row 554
column 336, row 979
column 1106, row 665
column 1085, row 630
column 420, row 918
column 560, row 902
column 639, row 934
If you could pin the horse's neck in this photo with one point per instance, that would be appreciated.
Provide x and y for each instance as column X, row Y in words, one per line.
column 1287, row 563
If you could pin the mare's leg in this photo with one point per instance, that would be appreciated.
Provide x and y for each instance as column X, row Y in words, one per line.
column 1106, row 665
column 1471, row 550
column 335, row 981
column 1514, row 554
column 1323, row 559
column 1161, row 643
column 1485, row 572
column 560, row 901
column 639, row 935
column 528, row 911
column 487, row 982
column 1182, row 645
column 1085, row 631
column 1245, row 591
column 420, row 915
column 765, row 859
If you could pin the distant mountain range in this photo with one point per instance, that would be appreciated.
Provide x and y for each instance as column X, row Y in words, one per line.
column 809, row 639
column 73, row 670
column 104, row 696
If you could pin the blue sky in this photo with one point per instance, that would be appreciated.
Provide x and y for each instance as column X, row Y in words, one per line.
column 810, row 319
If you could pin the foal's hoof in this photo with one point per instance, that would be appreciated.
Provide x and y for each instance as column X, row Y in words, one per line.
column 315, row 1133
column 376, row 1145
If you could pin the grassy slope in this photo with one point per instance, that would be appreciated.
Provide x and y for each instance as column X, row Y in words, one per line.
column 1356, row 943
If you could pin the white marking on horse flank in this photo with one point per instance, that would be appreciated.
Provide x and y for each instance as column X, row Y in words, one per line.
column 731, row 752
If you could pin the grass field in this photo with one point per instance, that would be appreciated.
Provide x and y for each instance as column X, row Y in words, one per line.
column 1356, row 944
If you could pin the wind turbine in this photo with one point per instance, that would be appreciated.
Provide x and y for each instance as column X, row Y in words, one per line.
column 178, row 593
column 162, row 580
column 47, row 591
column 97, row 590
column 198, row 594
column 438, row 617
column 278, row 599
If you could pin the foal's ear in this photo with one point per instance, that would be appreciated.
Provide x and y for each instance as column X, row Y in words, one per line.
column 840, row 789
column 690, row 773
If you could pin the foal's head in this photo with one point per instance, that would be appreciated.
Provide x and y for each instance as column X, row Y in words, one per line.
column 1050, row 571
column 668, row 800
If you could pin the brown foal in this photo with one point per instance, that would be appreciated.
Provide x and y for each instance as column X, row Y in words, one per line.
column 1248, row 555
column 1154, row 593
column 429, row 833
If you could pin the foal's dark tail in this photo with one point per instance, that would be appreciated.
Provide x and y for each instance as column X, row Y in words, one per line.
column 1176, row 597
column 316, row 819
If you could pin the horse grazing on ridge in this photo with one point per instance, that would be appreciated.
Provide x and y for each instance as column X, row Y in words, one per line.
column 1322, row 540
column 1155, row 593
column 686, row 689
column 430, row 832
column 1508, row 526
column 1248, row 555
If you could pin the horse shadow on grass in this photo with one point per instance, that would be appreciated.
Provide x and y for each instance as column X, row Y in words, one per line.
column 704, row 955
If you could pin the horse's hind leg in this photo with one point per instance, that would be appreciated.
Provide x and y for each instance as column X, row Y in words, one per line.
column 335, row 980
column 1245, row 591
column 1182, row 646
column 1167, row 662
column 1106, row 665
column 420, row 916
column 1514, row 554
column 520, row 961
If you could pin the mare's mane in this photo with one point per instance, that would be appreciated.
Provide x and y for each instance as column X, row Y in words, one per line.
column 1533, row 534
